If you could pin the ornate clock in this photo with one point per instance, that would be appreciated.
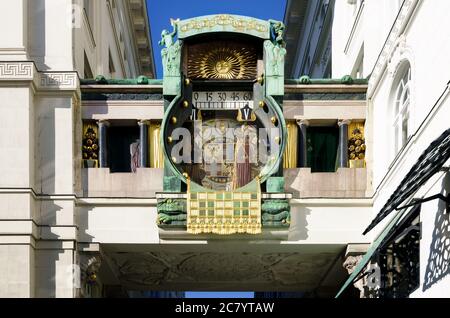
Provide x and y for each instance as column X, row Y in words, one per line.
column 228, row 118
column 223, row 129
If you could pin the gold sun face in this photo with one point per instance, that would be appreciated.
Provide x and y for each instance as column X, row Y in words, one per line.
column 223, row 68
column 223, row 62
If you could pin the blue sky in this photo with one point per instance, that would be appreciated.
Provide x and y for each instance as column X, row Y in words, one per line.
column 160, row 12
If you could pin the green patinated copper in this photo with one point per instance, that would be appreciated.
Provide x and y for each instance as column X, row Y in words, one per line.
column 274, row 166
column 102, row 80
column 274, row 58
column 171, row 183
column 275, row 185
column 171, row 211
column 276, row 213
column 346, row 80
column 172, row 177
column 171, row 61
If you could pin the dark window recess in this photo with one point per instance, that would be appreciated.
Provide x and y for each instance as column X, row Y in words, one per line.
column 322, row 146
column 399, row 259
column 119, row 142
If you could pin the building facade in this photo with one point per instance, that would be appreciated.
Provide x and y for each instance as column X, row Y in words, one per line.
column 45, row 48
column 394, row 45
column 97, row 198
column 310, row 53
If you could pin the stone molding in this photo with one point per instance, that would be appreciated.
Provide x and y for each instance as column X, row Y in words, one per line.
column 16, row 71
column 26, row 71
column 349, row 264
column 369, row 283
column 60, row 81
column 90, row 263
column 391, row 44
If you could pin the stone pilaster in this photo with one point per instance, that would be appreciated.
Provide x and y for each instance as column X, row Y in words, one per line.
column 343, row 143
column 367, row 282
column 303, row 125
column 90, row 263
column 143, row 137
column 349, row 264
column 103, row 143
column 14, row 26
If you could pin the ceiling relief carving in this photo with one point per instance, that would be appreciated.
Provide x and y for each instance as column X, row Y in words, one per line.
column 273, row 269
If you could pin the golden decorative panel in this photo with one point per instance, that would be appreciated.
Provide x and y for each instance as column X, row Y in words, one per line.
column 90, row 146
column 155, row 150
column 224, row 213
column 224, row 20
column 290, row 153
column 357, row 145
column 222, row 61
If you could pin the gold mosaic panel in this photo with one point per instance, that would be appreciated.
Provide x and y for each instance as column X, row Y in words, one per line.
column 224, row 213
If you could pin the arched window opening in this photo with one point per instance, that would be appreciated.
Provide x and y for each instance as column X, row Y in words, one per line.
column 402, row 101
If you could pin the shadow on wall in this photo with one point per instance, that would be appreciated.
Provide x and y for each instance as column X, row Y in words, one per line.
column 438, row 265
column 299, row 224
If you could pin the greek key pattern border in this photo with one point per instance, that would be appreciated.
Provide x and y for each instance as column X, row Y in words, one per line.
column 26, row 71
column 50, row 80
column 16, row 70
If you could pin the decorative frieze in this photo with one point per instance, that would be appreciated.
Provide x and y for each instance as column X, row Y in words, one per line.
column 58, row 81
column 26, row 71
column 391, row 43
column 10, row 71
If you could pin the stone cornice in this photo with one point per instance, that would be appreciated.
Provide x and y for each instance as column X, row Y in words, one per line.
column 142, row 36
column 25, row 71
column 388, row 50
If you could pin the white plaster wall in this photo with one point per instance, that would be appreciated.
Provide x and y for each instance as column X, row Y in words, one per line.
column 125, row 223
column 123, row 110
column 40, row 166
column 17, row 271
column 54, row 274
column 430, row 109
column 312, row 222
column 329, row 221
column 16, row 206
column 346, row 43
column 353, row 110
column 16, row 131
column 429, row 57
column 369, row 33
column 378, row 21
column 101, row 183
column 50, row 34
column 13, row 43
column 54, row 140
column 427, row 48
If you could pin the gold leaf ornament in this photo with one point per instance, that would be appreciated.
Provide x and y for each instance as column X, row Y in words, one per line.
column 224, row 63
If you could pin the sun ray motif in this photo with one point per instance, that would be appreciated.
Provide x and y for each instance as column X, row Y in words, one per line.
column 223, row 62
